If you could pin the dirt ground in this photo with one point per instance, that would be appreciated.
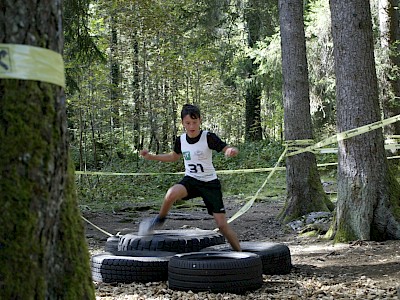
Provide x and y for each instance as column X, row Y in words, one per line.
column 321, row 270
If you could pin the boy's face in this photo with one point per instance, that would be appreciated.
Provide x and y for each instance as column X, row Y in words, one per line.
column 192, row 126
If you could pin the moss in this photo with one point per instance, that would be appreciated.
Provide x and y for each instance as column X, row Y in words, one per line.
column 29, row 123
column 20, row 158
column 76, row 278
column 344, row 234
column 318, row 200
column 394, row 201
column 394, row 195
column 330, row 234
column 313, row 233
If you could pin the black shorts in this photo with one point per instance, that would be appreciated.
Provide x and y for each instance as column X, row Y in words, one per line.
column 210, row 191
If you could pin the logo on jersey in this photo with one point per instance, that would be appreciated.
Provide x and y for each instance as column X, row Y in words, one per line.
column 186, row 155
column 200, row 155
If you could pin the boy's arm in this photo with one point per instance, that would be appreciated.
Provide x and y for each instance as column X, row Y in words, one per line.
column 166, row 157
column 230, row 151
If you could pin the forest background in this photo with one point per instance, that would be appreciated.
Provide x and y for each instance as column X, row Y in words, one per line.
column 131, row 65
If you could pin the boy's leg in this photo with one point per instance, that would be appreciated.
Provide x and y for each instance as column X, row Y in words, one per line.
column 227, row 231
column 175, row 193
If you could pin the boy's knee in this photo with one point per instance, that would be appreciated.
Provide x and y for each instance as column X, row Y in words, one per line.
column 171, row 196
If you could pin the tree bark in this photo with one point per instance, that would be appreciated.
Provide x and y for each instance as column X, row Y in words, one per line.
column 253, row 130
column 43, row 252
column 368, row 194
column 389, row 36
column 137, row 110
column 114, row 77
column 304, row 190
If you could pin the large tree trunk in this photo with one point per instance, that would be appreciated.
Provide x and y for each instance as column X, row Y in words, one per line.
column 390, row 89
column 368, row 195
column 43, row 252
column 304, row 190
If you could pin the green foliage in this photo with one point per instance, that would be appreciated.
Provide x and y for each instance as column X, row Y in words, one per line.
column 81, row 47
column 320, row 66
column 172, row 52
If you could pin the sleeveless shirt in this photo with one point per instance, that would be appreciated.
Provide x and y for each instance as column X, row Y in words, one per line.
column 198, row 158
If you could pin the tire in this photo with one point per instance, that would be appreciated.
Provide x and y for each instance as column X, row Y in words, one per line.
column 130, row 266
column 179, row 241
column 112, row 244
column 217, row 272
column 275, row 257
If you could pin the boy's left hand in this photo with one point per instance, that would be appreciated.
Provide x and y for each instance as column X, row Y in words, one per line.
column 231, row 152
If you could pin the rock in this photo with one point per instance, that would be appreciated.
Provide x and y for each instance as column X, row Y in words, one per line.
column 314, row 221
column 318, row 217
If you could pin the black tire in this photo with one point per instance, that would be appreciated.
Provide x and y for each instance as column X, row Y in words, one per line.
column 131, row 266
column 275, row 257
column 112, row 244
column 179, row 241
column 217, row 272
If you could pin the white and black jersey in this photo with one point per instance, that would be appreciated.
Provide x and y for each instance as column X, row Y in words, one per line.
column 197, row 154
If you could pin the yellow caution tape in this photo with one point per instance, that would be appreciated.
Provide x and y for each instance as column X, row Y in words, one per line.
column 295, row 145
column 347, row 134
column 97, row 227
column 291, row 144
column 249, row 203
column 31, row 63
column 241, row 171
column 237, row 171
column 125, row 174
column 335, row 150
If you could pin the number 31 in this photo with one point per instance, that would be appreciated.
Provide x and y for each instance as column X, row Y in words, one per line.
column 195, row 168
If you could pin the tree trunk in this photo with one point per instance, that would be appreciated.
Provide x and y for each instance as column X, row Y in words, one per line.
column 166, row 121
column 390, row 89
column 368, row 195
column 137, row 110
column 43, row 252
column 253, row 111
column 304, row 190
column 253, row 130
column 115, row 77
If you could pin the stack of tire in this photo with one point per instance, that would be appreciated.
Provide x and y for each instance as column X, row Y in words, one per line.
column 134, row 258
column 192, row 259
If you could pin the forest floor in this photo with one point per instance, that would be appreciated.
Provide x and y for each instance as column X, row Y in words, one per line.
column 321, row 269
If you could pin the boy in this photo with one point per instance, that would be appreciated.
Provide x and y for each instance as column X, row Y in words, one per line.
column 200, row 178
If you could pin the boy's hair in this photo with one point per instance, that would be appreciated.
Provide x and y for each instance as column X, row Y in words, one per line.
column 191, row 110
